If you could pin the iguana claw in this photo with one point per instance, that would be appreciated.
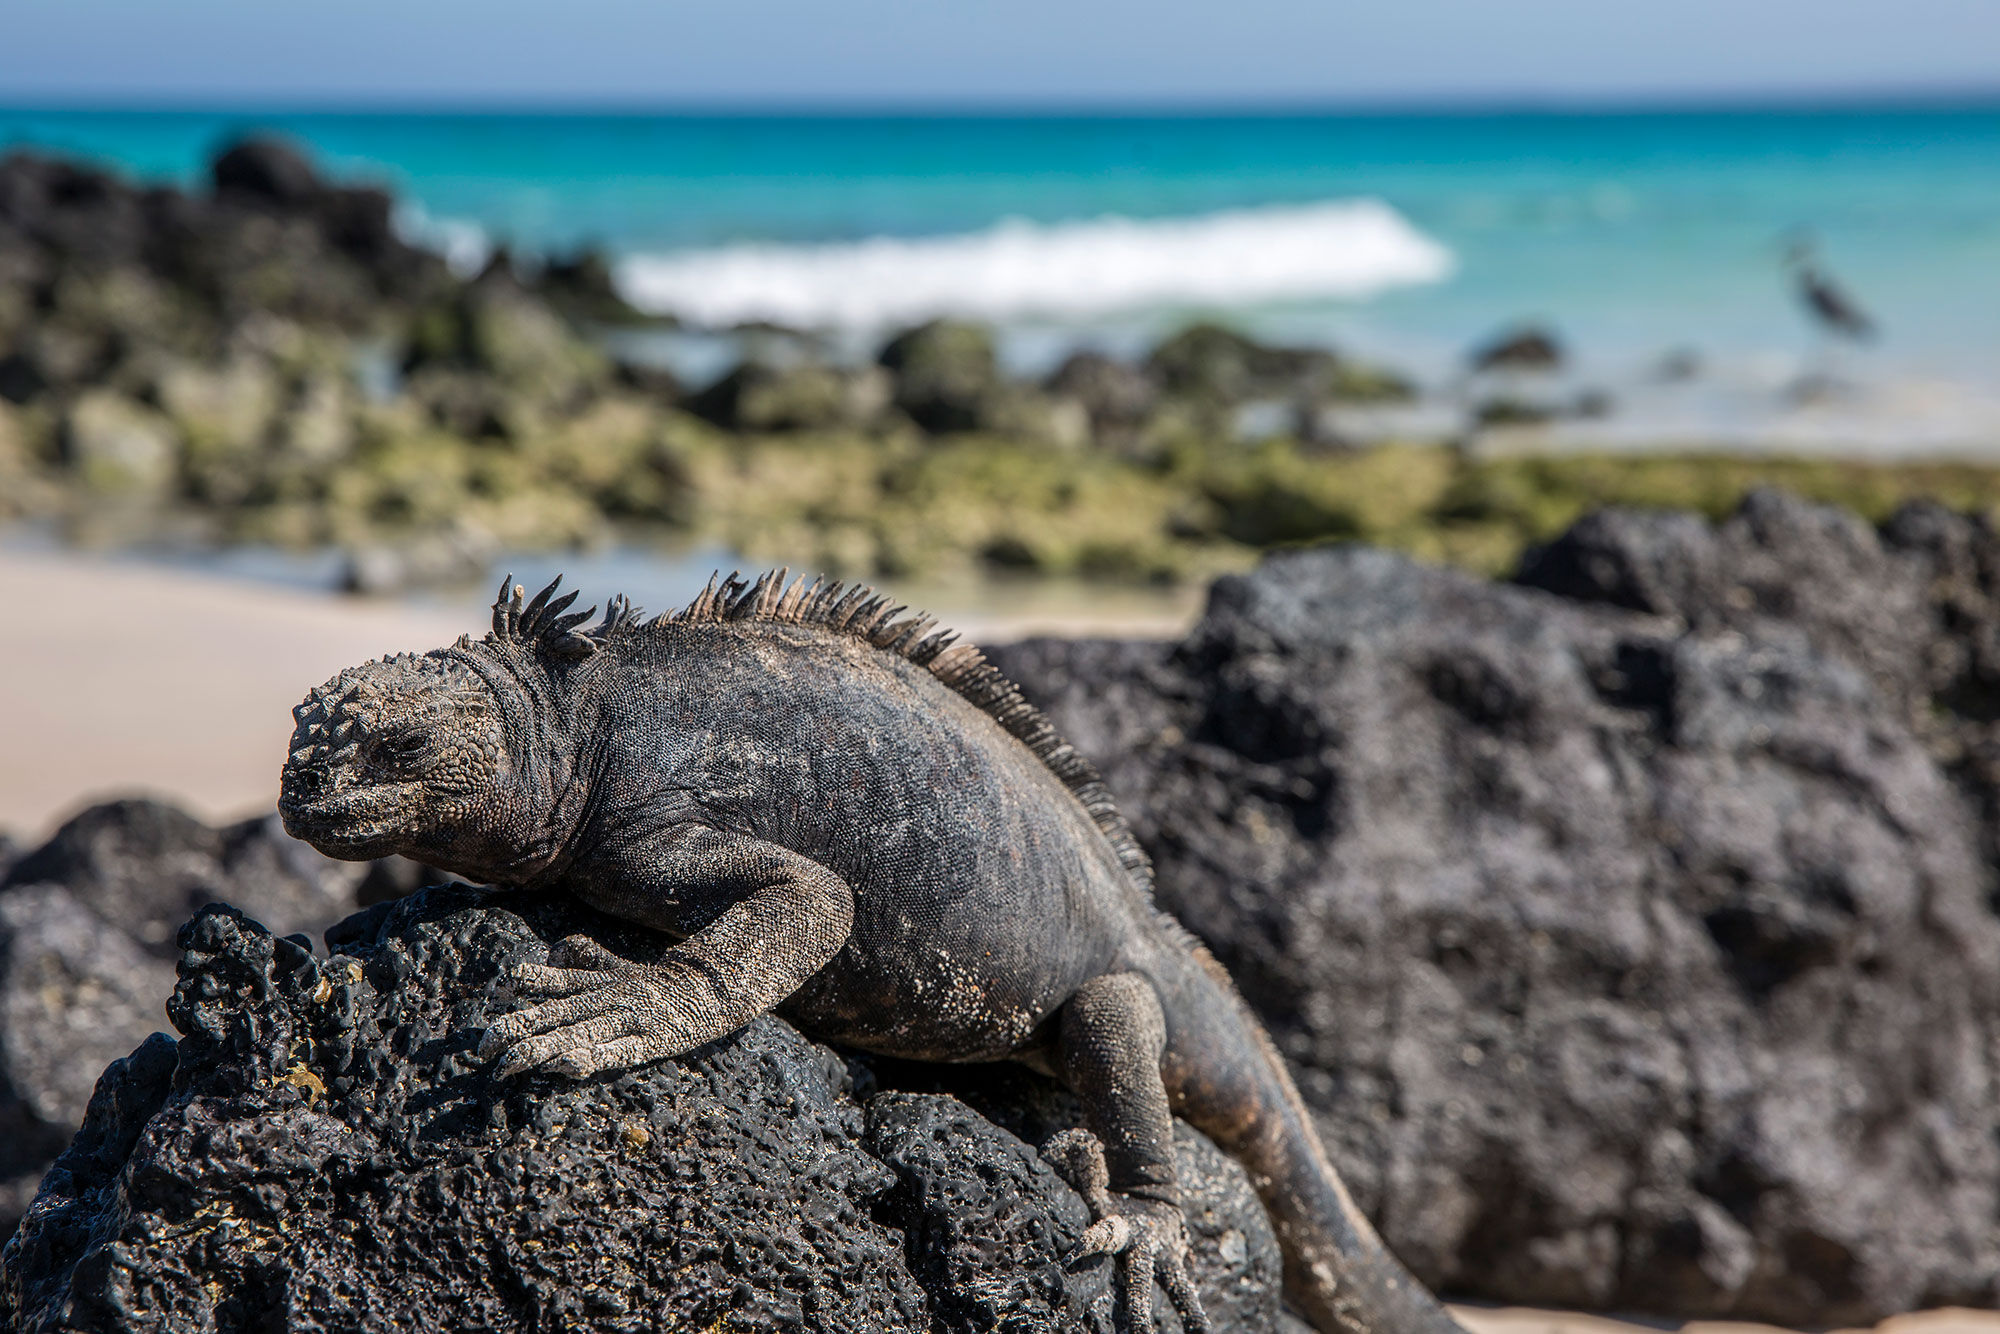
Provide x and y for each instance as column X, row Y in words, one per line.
column 601, row 1013
column 1149, row 1237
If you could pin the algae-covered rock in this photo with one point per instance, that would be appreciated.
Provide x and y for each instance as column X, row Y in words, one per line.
column 222, row 415
column 803, row 396
column 26, row 486
column 1213, row 362
column 947, row 374
column 116, row 447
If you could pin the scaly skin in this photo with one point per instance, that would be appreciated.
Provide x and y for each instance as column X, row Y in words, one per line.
column 858, row 826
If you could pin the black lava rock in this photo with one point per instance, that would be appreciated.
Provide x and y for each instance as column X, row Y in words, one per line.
column 267, row 170
column 321, row 1150
column 272, row 237
column 86, row 948
column 1634, row 947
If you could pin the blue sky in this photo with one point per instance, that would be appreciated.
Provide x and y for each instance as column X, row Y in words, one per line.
column 1142, row 52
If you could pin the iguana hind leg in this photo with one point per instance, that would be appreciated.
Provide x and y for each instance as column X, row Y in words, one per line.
column 1109, row 1042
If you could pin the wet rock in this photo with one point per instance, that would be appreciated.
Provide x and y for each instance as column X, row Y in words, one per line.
column 374, row 1176
column 272, row 237
column 1633, row 947
column 1511, row 410
column 582, row 287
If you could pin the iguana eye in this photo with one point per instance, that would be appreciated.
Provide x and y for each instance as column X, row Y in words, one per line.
column 400, row 748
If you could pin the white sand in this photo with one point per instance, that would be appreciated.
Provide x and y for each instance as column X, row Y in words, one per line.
column 117, row 678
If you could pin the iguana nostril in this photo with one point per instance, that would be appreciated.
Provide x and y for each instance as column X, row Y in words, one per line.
column 304, row 784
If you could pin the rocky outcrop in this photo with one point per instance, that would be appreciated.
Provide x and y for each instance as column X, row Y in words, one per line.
column 321, row 1150
column 271, row 236
column 798, row 395
column 1630, row 927
column 1631, row 933
column 87, row 925
column 1529, row 348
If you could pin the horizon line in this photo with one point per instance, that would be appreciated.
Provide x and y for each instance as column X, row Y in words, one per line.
column 1968, row 97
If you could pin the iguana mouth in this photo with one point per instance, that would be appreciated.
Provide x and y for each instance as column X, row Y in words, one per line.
column 340, row 820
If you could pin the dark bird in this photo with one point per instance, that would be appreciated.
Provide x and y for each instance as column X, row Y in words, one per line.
column 1831, row 308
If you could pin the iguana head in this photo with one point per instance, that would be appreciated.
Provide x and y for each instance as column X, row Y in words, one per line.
column 455, row 757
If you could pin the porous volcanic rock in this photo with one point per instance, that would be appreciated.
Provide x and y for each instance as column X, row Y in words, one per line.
column 321, row 1150
column 86, row 949
column 1634, row 947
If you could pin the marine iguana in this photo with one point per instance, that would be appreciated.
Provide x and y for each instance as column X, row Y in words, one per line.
column 841, row 815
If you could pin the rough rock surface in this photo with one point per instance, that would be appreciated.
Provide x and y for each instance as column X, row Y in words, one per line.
column 322, row 1151
column 86, row 949
column 1634, row 946
column 1631, row 929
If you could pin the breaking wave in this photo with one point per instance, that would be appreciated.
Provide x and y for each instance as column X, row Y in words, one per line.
column 1345, row 249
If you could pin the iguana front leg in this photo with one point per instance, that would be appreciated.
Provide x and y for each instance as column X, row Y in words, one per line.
column 1110, row 1041
column 769, row 919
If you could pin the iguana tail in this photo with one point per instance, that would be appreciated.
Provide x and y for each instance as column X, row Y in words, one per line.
column 1226, row 1079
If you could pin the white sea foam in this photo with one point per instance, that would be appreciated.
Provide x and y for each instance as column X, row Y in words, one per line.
column 1345, row 249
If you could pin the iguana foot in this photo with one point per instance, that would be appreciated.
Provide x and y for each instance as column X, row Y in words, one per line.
column 604, row 1013
column 1149, row 1237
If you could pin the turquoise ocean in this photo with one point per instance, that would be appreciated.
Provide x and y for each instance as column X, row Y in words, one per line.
column 1638, row 236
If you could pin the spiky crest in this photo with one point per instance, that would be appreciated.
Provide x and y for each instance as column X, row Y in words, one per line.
column 856, row 611
column 541, row 626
